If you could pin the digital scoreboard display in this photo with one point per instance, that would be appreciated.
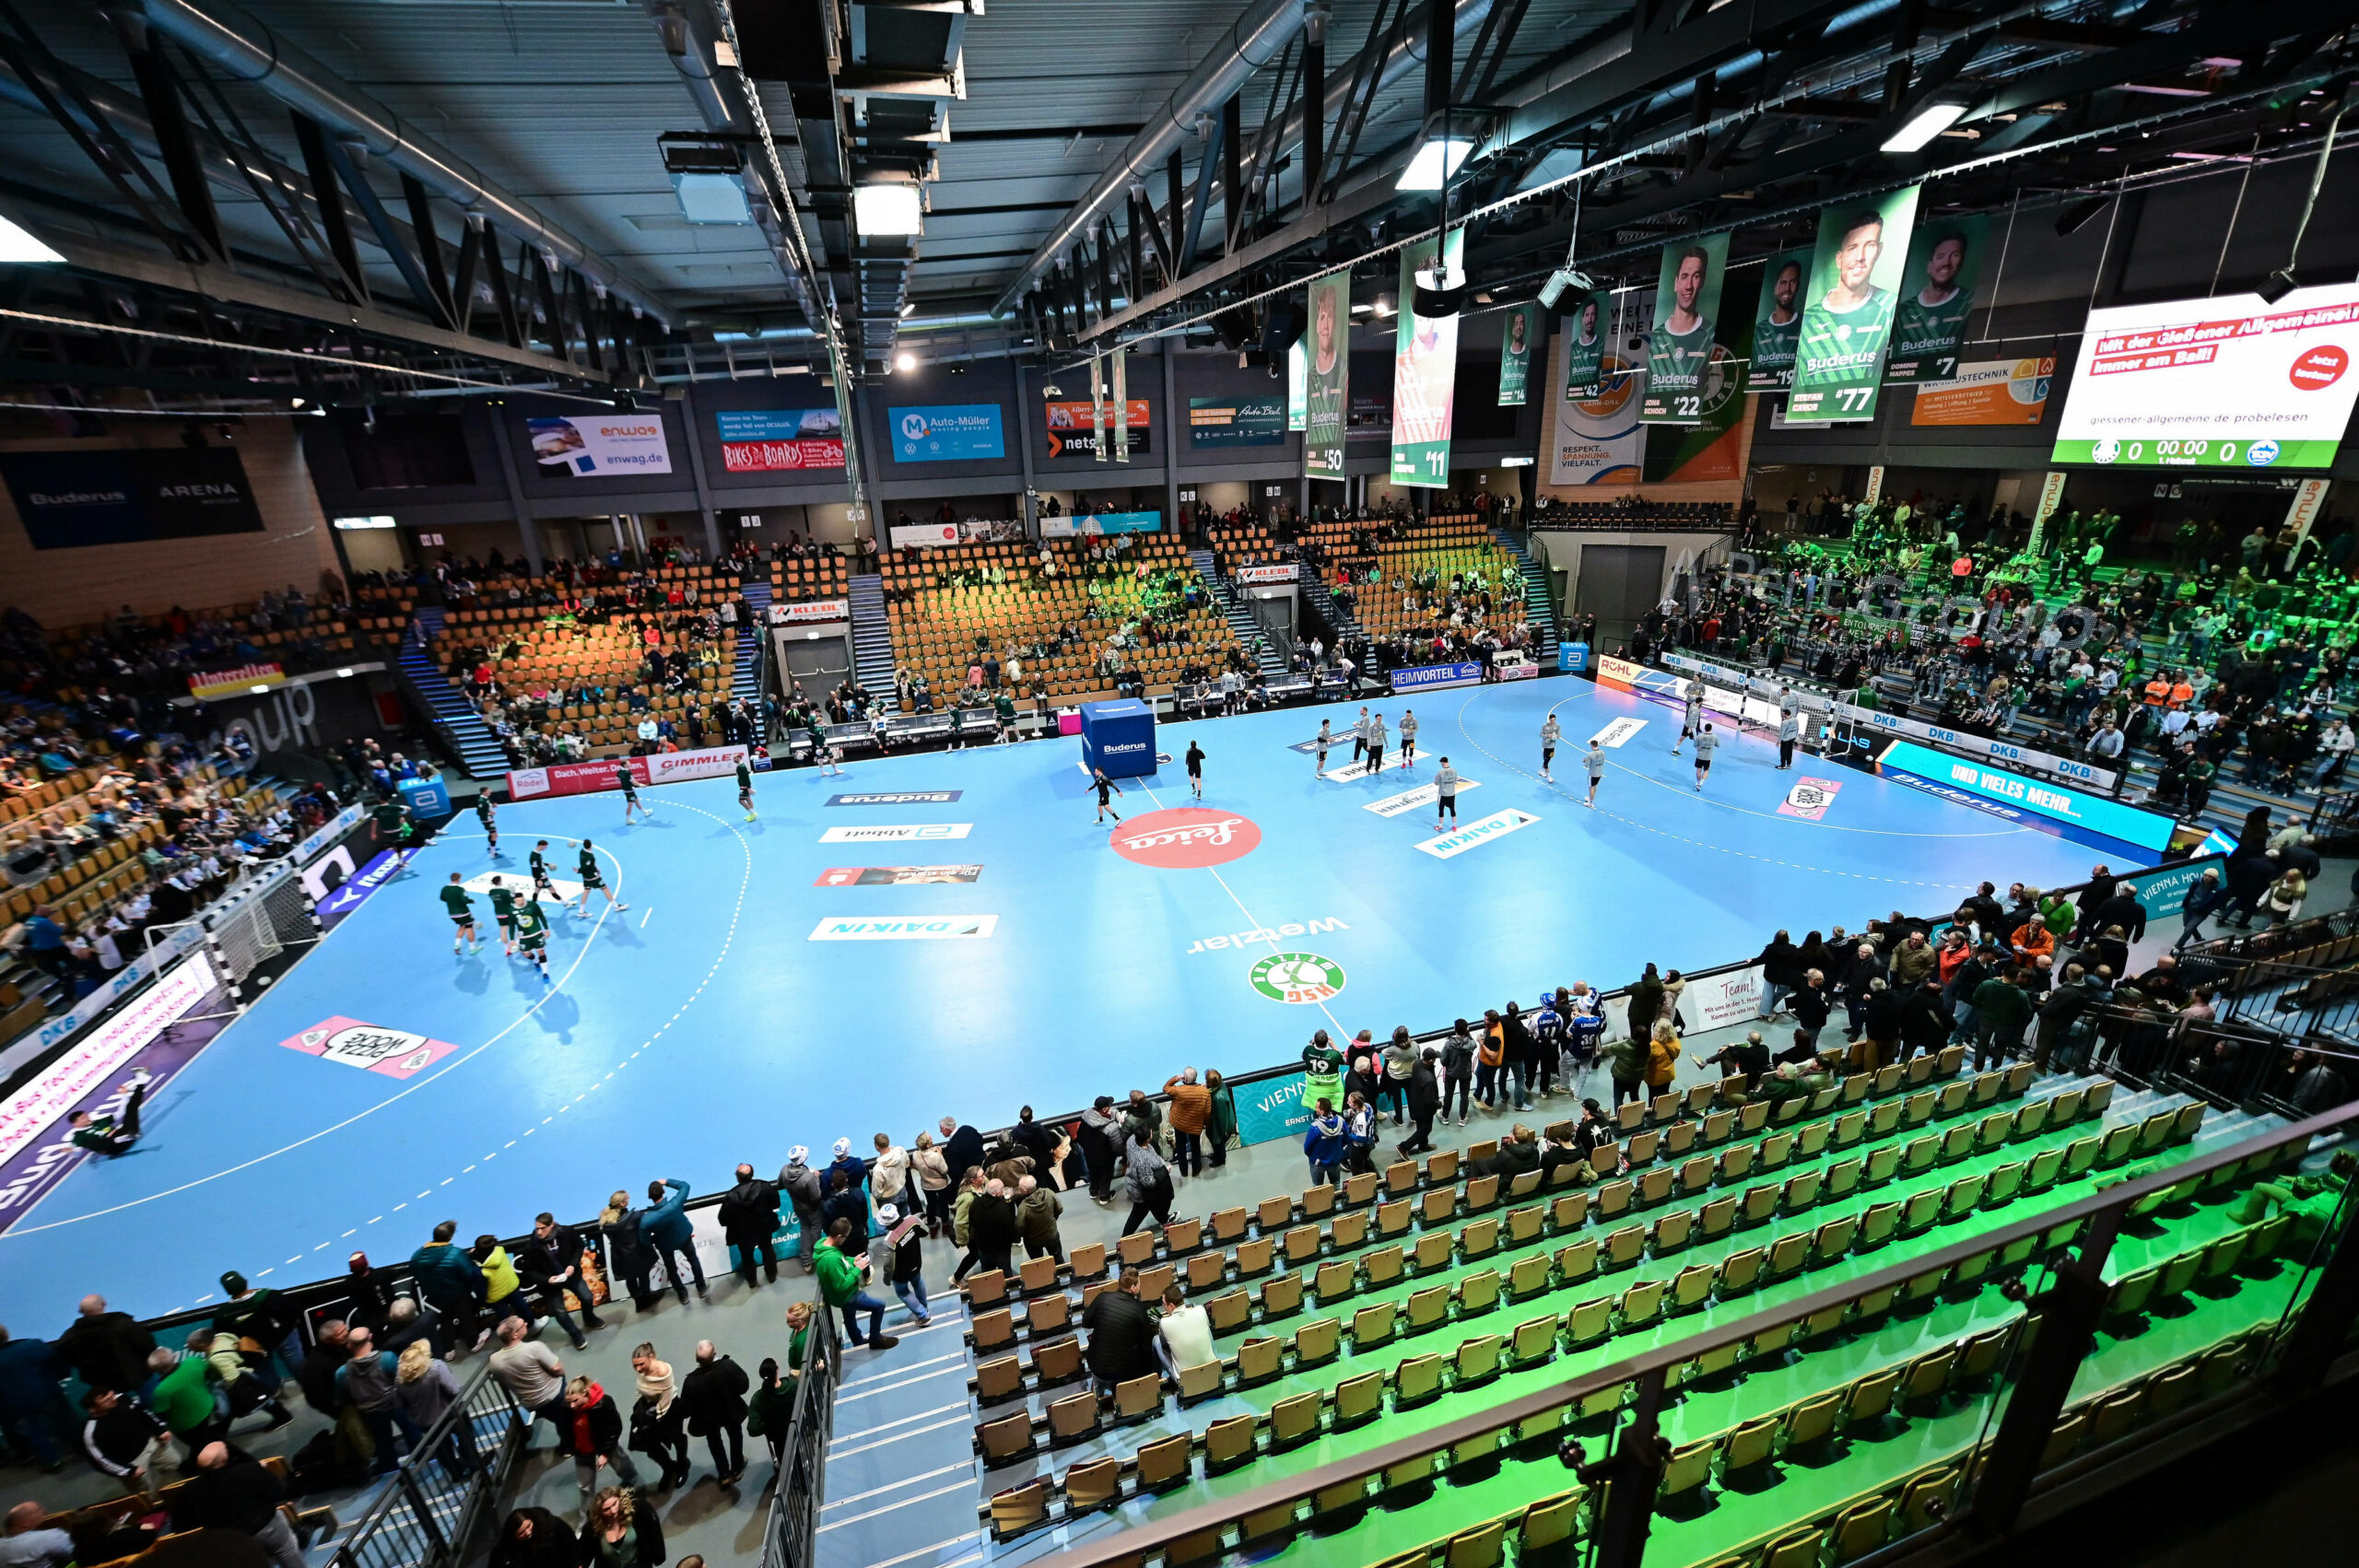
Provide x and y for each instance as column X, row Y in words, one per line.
column 2225, row 383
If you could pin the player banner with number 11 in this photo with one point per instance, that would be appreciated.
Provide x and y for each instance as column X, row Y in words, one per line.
column 1425, row 368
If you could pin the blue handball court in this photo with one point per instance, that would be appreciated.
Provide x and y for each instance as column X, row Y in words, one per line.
column 954, row 933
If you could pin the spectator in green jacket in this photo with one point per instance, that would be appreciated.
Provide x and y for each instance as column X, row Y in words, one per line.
column 2000, row 1010
column 840, row 1279
column 1223, row 1125
column 182, row 1398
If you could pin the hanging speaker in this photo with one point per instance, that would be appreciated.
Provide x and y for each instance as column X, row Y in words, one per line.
column 1438, row 293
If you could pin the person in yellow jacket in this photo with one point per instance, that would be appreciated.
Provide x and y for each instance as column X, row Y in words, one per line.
column 1663, row 1057
column 500, row 1280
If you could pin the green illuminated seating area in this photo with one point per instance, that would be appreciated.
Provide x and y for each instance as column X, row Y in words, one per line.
column 1420, row 1295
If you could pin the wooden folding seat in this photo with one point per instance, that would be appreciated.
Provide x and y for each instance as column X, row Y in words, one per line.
column 1672, row 1231
column 1568, row 1210
column 1274, row 1213
column 1135, row 1248
column 1578, row 1260
column 1254, row 1255
column 1813, row 1420
column 1833, row 1239
column 1053, row 1315
column 1691, row 1287
column 1777, row 1149
column 1072, row 1418
column 1201, row 1381
column 1359, row 1189
column 993, row 1331
column 1400, row 1176
column 1869, row 1398
column 1281, row 1296
column 1810, row 1139
column 1137, row 1397
column 1372, row 1325
column 1358, row 1400
column 1429, row 1308
column 1928, row 1376
column 1228, row 1442
column 1019, row 1508
column 1479, row 1239
column 1382, row 1265
column 1206, row 1271
column 1316, row 1201
column 1002, row 1378
column 1435, row 1250
column 1441, row 1167
column 1678, row 1138
column 1416, row 1381
column 1690, row 1466
column 1481, row 1193
column 1038, row 1274
column 1477, row 1291
column 1316, row 1343
column 1654, row 1184
column 1393, row 1219
column 1614, row 1198
column 1005, row 1439
column 1759, row 1203
column 1347, row 1231
column 1156, row 1280
column 1525, row 1224
column 986, row 1288
column 1640, row 1149
column 1535, row 1341
column 1302, row 1242
column 1060, row 1361
column 1336, row 1279
column 1477, row 1362
column 1800, row 1191
column 1182, row 1236
column 1440, row 1205
column 1229, row 1225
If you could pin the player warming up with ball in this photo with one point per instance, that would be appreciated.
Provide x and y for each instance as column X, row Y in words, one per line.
column 631, row 803
column 591, row 880
column 1107, row 789
column 1594, row 760
column 533, row 934
column 1706, row 743
column 541, row 870
column 1408, row 737
column 746, row 786
column 1550, row 733
column 1196, row 769
column 463, row 914
column 1692, row 724
column 483, row 812
column 503, row 915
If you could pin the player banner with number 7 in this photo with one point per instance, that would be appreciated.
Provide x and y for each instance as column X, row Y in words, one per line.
column 1425, row 369
column 1855, row 280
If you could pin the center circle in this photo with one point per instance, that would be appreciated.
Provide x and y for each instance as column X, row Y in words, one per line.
column 1186, row 838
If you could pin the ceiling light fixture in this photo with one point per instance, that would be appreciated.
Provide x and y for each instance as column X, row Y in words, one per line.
column 905, row 360
column 888, row 210
column 21, row 246
column 1437, row 159
column 1559, row 281
column 1929, row 122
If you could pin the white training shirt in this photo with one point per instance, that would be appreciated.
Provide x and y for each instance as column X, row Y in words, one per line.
column 1446, row 781
column 1706, row 740
column 1549, row 731
column 1596, row 760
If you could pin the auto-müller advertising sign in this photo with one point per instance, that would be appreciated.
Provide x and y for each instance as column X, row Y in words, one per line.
column 588, row 778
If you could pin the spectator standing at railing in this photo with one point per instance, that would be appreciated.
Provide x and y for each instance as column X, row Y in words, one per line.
column 453, row 1284
column 672, row 1234
column 32, row 1402
column 804, row 1193
column 748, row 1216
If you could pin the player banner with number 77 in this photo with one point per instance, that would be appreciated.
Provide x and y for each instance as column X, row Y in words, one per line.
column 1855, row 279
column 1425, row 368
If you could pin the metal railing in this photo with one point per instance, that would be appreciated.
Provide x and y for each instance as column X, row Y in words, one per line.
column 788, row 1535
column 2053, row 1262
column 445, row 1487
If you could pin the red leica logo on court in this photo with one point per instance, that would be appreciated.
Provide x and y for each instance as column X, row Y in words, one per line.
column 1186, row 838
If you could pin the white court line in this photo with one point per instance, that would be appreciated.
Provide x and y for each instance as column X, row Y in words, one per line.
column 645, row 917
column 906, row 1382
column 960, row 1420
column 937, row 1545
column 967, row 1465
column 899, row 1371
column 887, row 1426
column 855, row 1519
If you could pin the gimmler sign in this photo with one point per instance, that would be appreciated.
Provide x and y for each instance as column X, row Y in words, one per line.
column 586, row 778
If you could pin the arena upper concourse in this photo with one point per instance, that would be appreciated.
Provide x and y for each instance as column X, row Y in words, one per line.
column 1307, row 783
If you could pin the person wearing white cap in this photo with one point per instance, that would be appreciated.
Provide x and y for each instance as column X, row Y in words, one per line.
column 897, row 1257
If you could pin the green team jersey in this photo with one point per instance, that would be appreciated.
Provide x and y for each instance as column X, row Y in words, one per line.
column 1676, row 363
column 483, row 810
column 503, row 904
column 629, row 785
column 1773, row 346
column 1924, row 336
column 540, row 864
column 1845, row 350
column 745, row 775
column 455, row 899
column 589, row 865
column 531, row 927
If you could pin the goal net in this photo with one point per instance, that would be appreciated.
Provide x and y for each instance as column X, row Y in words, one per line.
column 249, row 930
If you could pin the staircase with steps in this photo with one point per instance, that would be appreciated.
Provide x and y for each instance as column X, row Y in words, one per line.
column 1322, row 604
column 462, row 729
column 1540, row 608
column 1273, row 662
column 745, row 681
column 872, row 634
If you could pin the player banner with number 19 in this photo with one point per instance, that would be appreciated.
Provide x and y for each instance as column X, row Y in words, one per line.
column 1425, row 368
